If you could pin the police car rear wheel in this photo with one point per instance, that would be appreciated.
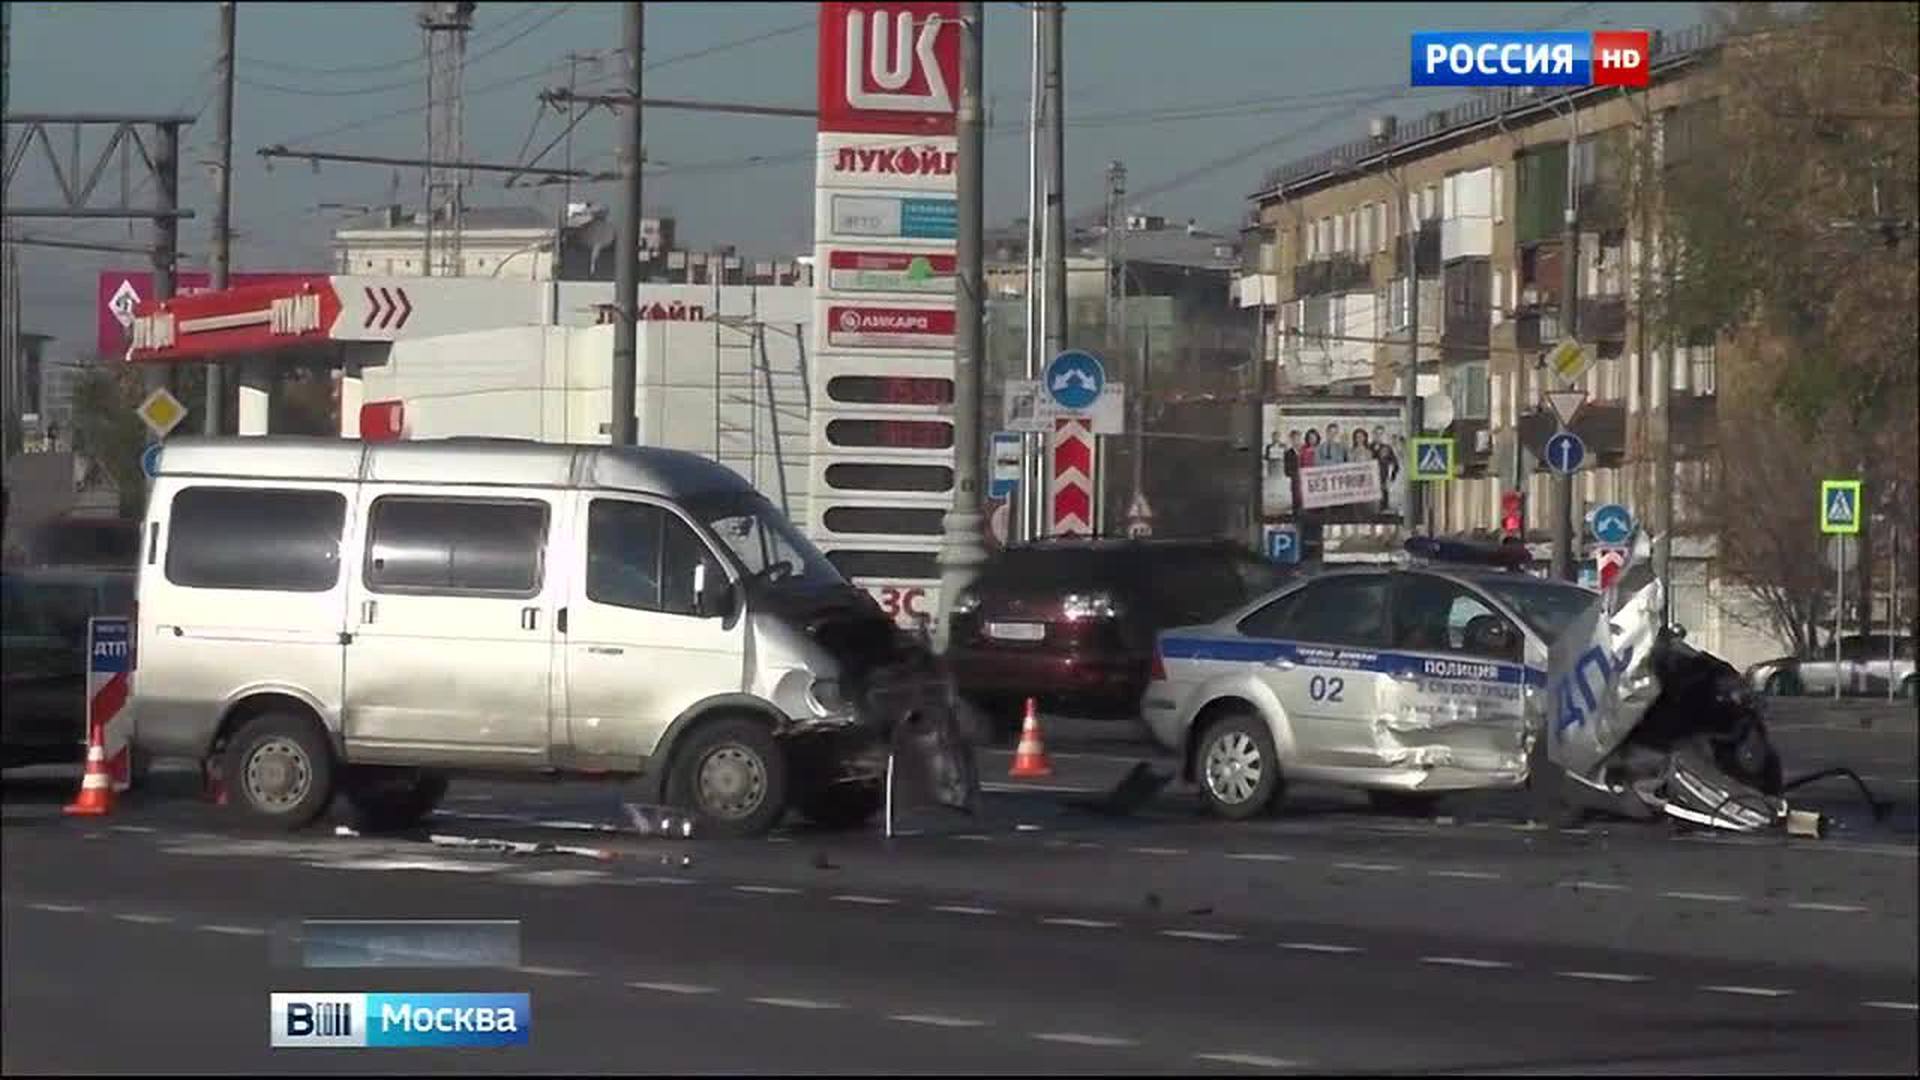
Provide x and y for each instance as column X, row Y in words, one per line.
column 1239, row 771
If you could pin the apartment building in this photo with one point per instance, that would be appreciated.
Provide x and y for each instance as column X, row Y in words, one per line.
column 1484, row 189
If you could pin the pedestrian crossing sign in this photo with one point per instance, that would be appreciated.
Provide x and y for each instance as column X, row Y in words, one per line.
column 1433, row 459
column 1840, row 507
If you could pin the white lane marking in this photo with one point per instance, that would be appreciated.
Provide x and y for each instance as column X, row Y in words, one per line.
column 133, row 828
column 65, row 909
column 796, row 1003
column 964, row 909
column 236, row 931
column 766, row 890
column 1201, row 935
column 973, row 836
column 779, row 839
column 1257, row 1061
column 672, row 987
column 1815, row 905
column 1158, row 850
column 853, row 898
column 1086, row 924
column 1077, row 1039
column 1599, row 886
column 1899, row 1006
column 1467, row 875
column 1748, row 991
column 1314, row 946
column 1259, row 856
column 1369, row 867
column 1602, row 976
column 551, row 972
column 145, row 920
column 660, row 879
column 1465, row 961
column 1705, row 897
column 937, row 1021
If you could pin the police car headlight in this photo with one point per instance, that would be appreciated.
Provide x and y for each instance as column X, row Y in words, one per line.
column 827, row 698
column 1089, row 606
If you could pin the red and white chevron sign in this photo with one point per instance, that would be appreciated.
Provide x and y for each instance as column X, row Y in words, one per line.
column 1072, row 479
column 387, row 308
column 109, row 682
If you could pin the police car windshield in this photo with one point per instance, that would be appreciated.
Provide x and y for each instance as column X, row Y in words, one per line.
column 1546, row 606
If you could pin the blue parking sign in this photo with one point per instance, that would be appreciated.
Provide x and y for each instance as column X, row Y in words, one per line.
column 1283, row 544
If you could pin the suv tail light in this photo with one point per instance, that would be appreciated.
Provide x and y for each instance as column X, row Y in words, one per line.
column 1157, row 673
column 1099, row 605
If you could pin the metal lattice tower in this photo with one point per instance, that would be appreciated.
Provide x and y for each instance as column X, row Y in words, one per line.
column 446, row 25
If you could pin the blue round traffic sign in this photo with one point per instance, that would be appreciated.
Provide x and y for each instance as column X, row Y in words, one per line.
column 1612, row 524
column 150, row 460
column 1074, row 379
column 1565, row 452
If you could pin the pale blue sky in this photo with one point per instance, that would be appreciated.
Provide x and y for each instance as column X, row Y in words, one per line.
column 1166, row 88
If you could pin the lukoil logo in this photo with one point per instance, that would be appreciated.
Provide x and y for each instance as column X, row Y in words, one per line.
column 1532, row 58
column 890, row 67
column 400, row 1020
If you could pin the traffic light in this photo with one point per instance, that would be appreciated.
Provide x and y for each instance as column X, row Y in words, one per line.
column 1513, row 507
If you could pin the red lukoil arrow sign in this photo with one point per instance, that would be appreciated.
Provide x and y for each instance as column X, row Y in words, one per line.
column 250, row 318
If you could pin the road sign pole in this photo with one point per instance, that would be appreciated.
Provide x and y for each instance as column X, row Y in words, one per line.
column 1839, row 609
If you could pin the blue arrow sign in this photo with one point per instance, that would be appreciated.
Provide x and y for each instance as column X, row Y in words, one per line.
column 1612, row 524
column 1074, row 380
column 1283, row 544
column 1565, row 452
column 150, row 460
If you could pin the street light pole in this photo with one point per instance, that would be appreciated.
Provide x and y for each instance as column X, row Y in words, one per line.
column 625, row 428
column 963, row 548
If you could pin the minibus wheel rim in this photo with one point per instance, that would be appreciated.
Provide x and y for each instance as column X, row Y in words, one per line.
column 733, row 781
column 278, row 775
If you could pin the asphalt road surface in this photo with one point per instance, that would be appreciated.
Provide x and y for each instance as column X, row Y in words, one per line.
column 1037, row 938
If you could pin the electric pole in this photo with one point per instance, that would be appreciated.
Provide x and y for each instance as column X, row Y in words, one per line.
column 1033, row 447
column 1569, row 331
column 625, row 428
column 215, row 400
column 1411, row 242
column 1054, row 242
column 963, row 549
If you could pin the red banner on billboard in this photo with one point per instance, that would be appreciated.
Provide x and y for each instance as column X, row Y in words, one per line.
column 120, row 291
column 889, row 68
column 249, row 318
column 890, row 327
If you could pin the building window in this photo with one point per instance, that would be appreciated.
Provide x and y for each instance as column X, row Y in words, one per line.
column 1499, row 193
column 1704, row 368
column 1430, row 202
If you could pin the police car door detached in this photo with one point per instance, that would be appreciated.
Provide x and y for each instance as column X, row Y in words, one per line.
column 1325, row 665
column 1456, row 697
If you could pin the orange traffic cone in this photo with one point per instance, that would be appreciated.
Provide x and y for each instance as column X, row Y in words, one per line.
column 96, row 786
column 1030, row 758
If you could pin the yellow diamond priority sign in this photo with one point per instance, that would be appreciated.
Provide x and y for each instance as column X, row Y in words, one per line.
column 1570, row 360
column 161, row 412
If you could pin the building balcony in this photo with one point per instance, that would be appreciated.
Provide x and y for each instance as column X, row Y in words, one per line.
column 1338, row 274
column 1603, row 318
column 1466, row 238
column 1601, row 425
column 1694, row 424
column 1426, row 246
column 1465, row 337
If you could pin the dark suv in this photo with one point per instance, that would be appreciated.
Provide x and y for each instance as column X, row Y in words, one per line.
column 1071, row 622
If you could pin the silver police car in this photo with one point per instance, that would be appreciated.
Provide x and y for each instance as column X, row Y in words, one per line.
column 1406, row 681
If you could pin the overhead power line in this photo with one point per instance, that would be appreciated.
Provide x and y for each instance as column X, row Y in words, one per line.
column 362, row 91
column 376, row 67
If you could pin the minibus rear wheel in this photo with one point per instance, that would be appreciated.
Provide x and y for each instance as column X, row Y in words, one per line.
column 279, row 771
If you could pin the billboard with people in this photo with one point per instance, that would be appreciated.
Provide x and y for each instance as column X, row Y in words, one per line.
column 1334, row 460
